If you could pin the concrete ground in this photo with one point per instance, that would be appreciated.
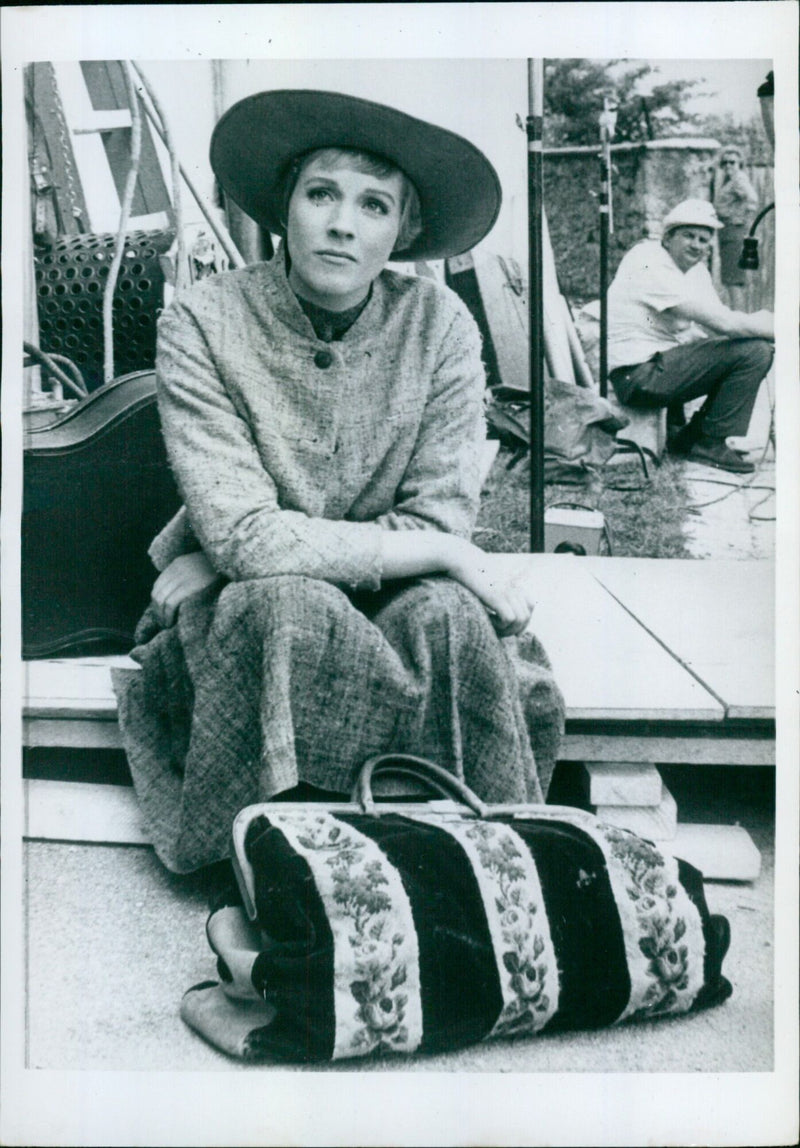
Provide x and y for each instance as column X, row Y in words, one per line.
column 114, row 941
column 733, row 516
column 736, row 520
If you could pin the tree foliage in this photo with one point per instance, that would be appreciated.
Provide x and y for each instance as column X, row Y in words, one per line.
column 749, row 136
column 574, row 90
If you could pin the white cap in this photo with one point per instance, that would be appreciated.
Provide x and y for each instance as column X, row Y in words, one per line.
column 691, row 213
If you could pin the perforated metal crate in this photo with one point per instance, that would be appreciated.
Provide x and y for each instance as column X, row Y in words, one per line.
column 70, row 282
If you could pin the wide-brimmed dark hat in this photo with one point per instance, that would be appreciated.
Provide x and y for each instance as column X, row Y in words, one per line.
column 256, row 140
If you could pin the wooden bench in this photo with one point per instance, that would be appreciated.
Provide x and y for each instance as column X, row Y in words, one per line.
column 659, row 662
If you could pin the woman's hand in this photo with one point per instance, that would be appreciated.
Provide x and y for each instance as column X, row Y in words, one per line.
column 185, row 576
column 509, row 601
column 409, row 553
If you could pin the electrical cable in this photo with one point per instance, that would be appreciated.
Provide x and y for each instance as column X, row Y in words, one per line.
column 50, row 364
column 125, row 210
column 73, row 370
column 570, row 506
column 735, row 485
column 762, row 517
column 629, row 489
column 747, row 484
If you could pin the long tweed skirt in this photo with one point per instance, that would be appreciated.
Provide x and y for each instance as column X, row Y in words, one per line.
column 276, row 681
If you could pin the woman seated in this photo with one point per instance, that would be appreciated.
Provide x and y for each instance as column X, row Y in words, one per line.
column 320, row 599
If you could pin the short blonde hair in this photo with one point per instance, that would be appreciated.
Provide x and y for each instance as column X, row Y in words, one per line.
column 371, row 164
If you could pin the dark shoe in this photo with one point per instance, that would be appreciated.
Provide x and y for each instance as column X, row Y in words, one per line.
column 716, row 452
column 682, row 440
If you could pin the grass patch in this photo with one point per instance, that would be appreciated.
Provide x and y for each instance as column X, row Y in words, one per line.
column 644, row 522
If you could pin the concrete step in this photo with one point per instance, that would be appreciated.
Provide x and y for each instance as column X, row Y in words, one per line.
column 83, row 812
column 720, row 852
column 655, row 822
column 610, row 783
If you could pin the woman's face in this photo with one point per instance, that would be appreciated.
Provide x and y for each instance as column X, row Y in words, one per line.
column 341, row 229
column 729, row 164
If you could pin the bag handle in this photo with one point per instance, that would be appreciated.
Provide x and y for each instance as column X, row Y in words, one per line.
column 418, row 768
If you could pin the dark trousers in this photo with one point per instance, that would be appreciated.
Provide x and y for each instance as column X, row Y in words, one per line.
column 728, row 371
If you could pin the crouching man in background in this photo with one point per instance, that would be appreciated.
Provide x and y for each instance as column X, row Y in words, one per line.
column 671, row 339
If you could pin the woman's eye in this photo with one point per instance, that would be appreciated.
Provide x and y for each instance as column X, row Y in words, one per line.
column 377, row 206
column 319, row 194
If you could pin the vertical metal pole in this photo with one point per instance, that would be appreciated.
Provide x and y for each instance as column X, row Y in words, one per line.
column 604, row 205
column 535, row 298
column 608, row 122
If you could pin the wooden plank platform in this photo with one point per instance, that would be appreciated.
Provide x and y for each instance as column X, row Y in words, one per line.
column 635, row 746
column 71, row 689
column 608, row 666
column 615, row 673
column 638, row 746
column 717, row 618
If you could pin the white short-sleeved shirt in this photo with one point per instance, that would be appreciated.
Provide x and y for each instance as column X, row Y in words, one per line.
column 641, row 301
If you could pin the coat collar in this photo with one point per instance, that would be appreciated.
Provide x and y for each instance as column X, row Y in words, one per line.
column 285, row 304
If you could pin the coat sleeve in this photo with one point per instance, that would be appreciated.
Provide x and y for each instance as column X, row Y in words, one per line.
column 230, row 499
column 440, row 488
column 746, row 192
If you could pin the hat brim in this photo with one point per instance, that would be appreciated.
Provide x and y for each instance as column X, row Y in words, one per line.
column 666, row 228
column 256, row 139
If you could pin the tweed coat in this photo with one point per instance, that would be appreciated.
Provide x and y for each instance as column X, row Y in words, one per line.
column 292, row 454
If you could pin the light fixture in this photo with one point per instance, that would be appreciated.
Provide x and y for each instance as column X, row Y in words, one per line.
column 766, row 97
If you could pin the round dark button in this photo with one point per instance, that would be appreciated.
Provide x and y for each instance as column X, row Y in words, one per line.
column 323, row 359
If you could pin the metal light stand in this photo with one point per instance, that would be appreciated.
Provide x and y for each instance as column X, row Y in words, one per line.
column 608, row 125
column 608, row 122
column 534, row 125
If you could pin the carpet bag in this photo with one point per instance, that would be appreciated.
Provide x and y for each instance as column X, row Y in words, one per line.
column 423, row 927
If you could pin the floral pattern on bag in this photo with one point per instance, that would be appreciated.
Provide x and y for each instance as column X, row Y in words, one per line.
column 663, row 916
column 529, row 974
column 512, row 899
column 376, row 964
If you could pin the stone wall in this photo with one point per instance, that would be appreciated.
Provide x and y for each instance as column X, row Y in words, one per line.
column 648, row 179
